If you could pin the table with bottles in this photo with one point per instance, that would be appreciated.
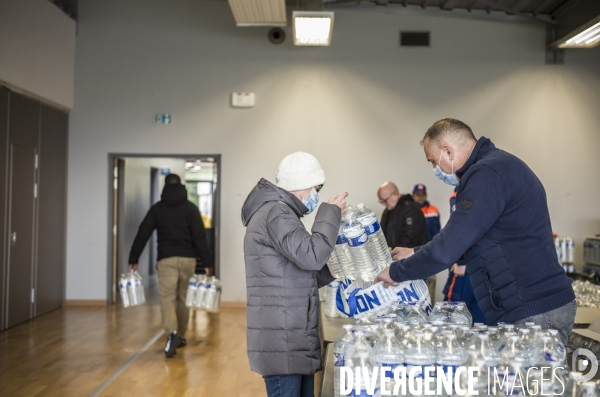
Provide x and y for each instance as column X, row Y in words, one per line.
column 588, row 302
column 330, row 327
column 405, row 338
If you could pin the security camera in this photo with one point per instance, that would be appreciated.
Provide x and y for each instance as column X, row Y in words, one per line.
column 276, row 36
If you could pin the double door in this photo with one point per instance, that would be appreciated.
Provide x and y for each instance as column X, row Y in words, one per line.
column 32, row 208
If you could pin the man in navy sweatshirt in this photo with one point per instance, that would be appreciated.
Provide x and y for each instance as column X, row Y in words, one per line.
column 502, row 227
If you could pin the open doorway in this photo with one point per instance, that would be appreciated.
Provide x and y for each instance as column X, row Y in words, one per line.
column 137, row 182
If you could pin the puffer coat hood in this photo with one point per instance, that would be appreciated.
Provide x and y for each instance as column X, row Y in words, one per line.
column 285, row 265
column 265, row 191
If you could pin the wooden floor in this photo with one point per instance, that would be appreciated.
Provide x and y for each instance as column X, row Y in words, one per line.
column 74, row 351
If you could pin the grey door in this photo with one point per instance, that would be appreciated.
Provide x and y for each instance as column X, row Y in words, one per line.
column 21, row 233
column 50, row 236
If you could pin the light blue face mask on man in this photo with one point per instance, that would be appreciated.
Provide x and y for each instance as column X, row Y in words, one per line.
column 312, row 201
column 450, row 179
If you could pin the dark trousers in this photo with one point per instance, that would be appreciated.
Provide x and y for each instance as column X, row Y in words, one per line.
column 290, row 385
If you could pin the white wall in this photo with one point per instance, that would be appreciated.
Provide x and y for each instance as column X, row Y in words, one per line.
column 361, row 106
column 37, row 50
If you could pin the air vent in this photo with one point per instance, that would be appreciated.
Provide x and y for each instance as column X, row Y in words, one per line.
column 414, row 39
column 258, row 12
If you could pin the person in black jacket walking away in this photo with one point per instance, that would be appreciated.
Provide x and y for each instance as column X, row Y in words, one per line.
column 181, row 239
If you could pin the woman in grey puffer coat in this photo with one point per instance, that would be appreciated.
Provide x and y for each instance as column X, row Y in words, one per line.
column 285, row 266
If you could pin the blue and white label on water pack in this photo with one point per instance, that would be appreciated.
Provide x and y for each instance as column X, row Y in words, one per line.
column 419, row 372
column 372, row 228
column 448, row 368
column 338, row 359
column 358, row 241
column 341, row 239
column 364, row 393
column 390, row 373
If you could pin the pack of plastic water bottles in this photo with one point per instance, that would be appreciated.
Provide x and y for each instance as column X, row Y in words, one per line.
column 204, row 292
column 415, row 350
column 358, row 297
column 132, row 289
column 361, row 250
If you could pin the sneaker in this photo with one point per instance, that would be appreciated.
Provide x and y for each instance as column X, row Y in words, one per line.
column 182, row 342
column 173, row 342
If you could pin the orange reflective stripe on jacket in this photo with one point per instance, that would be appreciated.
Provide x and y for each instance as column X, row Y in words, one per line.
column 430, row 210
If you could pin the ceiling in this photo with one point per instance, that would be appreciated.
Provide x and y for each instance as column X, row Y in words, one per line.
column 534, row 8
column 563, row 15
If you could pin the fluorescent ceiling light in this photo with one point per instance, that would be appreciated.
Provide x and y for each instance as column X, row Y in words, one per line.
column 587, row 36
column 312, row 28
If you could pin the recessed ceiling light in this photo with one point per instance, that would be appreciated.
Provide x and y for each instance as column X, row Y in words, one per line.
column 312, row 28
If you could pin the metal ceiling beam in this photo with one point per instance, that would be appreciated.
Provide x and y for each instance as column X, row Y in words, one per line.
column 564, row 7
column 542, row 5
column 521, row 5
column 495, row 6
column 449, row 4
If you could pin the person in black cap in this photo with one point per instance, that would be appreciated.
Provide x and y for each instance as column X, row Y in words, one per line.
column 181, row 239
column 432, row 214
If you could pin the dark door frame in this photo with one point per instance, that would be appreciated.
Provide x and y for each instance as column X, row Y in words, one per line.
column 112, row 157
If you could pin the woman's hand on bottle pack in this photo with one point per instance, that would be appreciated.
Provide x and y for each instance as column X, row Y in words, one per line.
column 339, row 200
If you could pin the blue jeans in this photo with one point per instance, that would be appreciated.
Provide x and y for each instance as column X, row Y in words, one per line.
column 560, row 319
column 290, row 385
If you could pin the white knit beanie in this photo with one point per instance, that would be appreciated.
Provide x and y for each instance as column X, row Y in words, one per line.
column 299, row 171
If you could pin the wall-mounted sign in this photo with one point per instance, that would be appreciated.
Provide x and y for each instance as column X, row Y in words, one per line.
column 162, row 119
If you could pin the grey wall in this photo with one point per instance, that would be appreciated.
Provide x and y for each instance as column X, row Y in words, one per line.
column 361, row 106
column 37, row 43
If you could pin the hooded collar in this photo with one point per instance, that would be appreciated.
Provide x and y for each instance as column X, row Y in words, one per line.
column 174, row 195
column 265, row 192
column 482, row 147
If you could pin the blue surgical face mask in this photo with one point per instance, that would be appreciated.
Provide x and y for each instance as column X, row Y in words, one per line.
column 312, row 201
column 450, row 179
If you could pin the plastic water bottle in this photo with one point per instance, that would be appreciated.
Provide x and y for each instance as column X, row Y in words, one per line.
column 358, row 342
column 132, row 290
column 367, row 386
column 530, row 346
column 123, row 289
column 201, row 291
column 559, row 346
column 334, row 265
column 191, row 292
column 138, row 287
column 388, row 352
column 338, row 356
column 331, row 309
column 212, row 295
column 485, row 350
column 418, row 355
column 450, row 355
column 414, row 314
column 550, row 354
column 342, row 252
column 376, row 239
column 359, row 249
